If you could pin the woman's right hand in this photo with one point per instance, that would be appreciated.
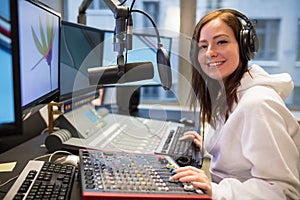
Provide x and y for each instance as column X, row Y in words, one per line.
column 192, row 135
column 195, row 176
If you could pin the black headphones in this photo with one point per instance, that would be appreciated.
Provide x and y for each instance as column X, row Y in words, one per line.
column 248, row 39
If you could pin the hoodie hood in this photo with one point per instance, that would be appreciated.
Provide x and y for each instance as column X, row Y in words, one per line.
column 282, row 83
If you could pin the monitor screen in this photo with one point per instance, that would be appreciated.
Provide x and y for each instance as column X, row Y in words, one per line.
column 81, row 48
column 10, row 107
column 39, row 40
column 144, row 48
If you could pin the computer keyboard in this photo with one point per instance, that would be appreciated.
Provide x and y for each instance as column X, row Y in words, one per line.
column 43, row 180
column 178, row 147
column 184, row 152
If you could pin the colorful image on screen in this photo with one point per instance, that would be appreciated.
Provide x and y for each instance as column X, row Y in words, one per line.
column 39, row 51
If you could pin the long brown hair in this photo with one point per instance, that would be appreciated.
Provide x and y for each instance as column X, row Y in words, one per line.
column 216, row 100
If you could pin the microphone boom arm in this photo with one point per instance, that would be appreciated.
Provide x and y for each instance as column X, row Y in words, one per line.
column 121, row 14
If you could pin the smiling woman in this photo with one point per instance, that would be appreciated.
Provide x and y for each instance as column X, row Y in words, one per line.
column 244, row 107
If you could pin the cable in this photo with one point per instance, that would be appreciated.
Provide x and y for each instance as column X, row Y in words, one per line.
column 153, row 24
column 50, row 155
column 43, row 156
column 56, row 152
column 122, row 3
column 131, row 6
column 9, row 180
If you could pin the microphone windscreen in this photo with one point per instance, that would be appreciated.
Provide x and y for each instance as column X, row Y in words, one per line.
column 164, row 68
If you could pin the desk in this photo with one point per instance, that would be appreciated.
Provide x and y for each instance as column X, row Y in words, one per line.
column 22, row 154
column 34, row 148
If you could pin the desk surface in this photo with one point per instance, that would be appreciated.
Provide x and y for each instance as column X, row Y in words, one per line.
column 34, row 148
column 26, row 151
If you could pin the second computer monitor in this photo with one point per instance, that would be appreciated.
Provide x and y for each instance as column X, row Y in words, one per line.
column 81, row 48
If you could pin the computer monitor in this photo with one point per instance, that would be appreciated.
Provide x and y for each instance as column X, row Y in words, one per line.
column 81, row 48
column 39, row 40
column 10, row 107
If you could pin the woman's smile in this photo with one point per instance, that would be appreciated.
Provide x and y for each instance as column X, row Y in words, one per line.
column 215, row 64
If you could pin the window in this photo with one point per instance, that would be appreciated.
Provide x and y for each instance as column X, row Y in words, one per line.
column 150, row 94
column 298, row 53
column 214, row 4
column 296, row 97
column 152, row 8
column 98, row 4
column 267, row 33
column 279, row 43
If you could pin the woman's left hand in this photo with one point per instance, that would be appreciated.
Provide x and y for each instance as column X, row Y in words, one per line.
column 192, row 135
column 195, row 176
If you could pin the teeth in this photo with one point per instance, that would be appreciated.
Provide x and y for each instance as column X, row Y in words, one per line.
column 214, row 64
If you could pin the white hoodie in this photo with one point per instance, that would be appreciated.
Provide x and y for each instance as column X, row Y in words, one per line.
column 256, row 153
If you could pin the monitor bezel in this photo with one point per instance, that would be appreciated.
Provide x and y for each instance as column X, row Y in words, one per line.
column 14, row 128
column 54, row 94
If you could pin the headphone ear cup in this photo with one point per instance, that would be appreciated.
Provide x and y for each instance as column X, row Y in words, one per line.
column 253, row 42
column 244, row 44
column 248, row 43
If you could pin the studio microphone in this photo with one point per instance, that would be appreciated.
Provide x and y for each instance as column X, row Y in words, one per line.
column 130, row 72
column 110, row 74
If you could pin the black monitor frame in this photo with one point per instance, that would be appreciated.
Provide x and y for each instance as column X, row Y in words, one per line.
column 14, row 128
column 50, row 95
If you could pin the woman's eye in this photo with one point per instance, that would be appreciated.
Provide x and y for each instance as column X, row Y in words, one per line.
column 201, row 47
column 222, row 42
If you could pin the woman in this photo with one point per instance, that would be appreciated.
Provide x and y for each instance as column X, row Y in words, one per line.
column 253, row 139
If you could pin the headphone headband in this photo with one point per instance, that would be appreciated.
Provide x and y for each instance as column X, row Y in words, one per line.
column 238, row 14
column 248, row 39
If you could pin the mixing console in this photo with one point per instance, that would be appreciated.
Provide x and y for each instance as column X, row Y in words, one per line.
column 121, row 175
